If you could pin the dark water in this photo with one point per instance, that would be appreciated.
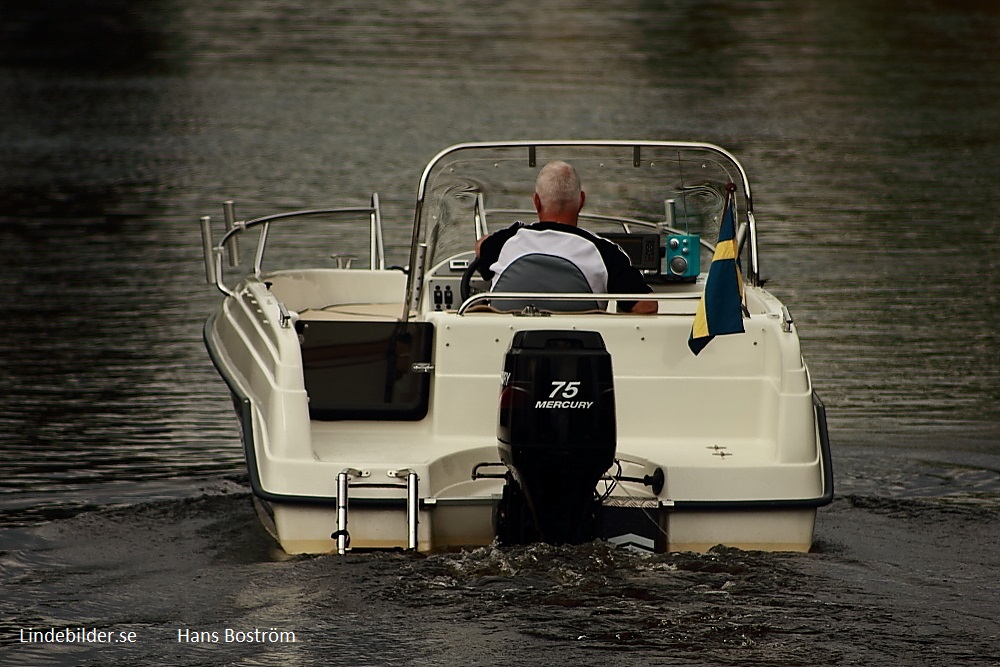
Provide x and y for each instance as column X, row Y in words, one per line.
column 871, row 136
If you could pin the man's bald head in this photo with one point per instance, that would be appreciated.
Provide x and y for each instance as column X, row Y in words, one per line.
column 558, row 196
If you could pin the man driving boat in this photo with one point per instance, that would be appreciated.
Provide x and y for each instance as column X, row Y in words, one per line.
column 564, row 252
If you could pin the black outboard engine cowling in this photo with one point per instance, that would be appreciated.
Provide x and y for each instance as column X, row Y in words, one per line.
column 556, row 432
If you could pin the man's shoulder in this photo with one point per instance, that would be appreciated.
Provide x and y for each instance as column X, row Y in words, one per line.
column 499, row 237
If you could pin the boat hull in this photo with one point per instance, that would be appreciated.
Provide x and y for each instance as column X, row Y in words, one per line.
column 368, row 399
column 307, row 529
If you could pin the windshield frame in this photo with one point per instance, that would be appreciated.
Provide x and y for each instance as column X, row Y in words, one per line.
column 620, row 150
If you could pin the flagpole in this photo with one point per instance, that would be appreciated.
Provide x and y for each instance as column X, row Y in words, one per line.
column 731, row 201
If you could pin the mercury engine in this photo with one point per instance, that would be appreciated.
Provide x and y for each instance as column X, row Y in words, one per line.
column 557, row 435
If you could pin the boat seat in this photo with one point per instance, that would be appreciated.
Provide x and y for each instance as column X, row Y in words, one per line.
column 538, row 272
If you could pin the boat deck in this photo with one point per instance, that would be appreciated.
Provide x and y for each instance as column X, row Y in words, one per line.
column 354, row 312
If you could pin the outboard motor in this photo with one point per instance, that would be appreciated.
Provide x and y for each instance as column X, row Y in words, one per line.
column 557, row 435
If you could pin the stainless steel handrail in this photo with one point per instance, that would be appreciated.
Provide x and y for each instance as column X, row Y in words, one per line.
column 214, row 252
column 343, row 485
column 562, row 296
column 569, row 143
column 412, row 505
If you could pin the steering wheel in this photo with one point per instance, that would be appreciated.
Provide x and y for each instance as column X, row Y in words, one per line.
column 465, row 289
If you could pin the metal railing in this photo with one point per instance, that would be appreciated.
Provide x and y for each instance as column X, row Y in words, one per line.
column 228, row 244
column 479, row 299
column 343, row 536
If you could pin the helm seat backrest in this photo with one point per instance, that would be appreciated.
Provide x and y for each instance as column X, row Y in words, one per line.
column 538, row 272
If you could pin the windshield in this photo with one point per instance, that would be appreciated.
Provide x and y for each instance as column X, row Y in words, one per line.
column 629, row 187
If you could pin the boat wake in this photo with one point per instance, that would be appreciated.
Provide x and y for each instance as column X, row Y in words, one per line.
column 905, row 577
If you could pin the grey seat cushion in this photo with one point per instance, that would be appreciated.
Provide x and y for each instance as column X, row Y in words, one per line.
column 543, row 273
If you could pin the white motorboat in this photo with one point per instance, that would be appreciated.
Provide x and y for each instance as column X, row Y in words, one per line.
column 408, row 407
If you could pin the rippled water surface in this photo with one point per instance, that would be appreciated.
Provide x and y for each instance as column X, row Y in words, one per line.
column 870, row 135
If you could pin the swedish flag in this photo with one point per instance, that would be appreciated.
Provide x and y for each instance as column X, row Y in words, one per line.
column 720, row 311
